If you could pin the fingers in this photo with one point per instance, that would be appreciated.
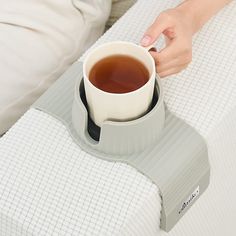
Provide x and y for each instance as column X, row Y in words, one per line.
column 173, row 65
column 172, row 71
column 173, row 62
column 169, row 53
column 177, row 53
column 173, row 56
column 175, row 49
column 162, row 23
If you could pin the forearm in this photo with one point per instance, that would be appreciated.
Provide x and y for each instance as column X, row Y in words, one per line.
column 198, row 12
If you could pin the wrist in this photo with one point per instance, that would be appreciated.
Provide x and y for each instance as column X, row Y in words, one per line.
column 188, row 10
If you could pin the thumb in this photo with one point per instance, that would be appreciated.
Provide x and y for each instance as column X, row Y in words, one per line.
column 155, row 30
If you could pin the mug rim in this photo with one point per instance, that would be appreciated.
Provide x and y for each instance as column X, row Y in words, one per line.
column 152, row 76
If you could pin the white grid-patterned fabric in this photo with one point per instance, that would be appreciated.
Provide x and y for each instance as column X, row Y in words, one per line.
column 48, row 186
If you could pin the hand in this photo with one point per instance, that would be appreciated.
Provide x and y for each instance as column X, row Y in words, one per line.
column 178, row 32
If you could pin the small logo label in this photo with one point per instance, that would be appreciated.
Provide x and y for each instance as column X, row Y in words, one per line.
column 189, row 199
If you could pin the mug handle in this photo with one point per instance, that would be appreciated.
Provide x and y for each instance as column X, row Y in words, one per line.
column 150, row 47
column 153, row 48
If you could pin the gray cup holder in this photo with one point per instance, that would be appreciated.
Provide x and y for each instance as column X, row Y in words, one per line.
column 93, row 129
column 118, row 138
column 159, row 145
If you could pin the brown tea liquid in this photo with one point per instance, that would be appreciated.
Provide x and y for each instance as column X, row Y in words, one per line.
column 119, row 74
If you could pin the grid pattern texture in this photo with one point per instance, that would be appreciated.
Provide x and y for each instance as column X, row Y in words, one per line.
column 48, row 186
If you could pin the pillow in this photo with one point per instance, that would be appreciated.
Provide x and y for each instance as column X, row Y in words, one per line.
column 39, row 41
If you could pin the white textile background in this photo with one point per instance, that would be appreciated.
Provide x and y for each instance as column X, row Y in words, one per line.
column 50, row 187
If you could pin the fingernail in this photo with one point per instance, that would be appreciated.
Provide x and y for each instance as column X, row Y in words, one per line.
column 146, row 40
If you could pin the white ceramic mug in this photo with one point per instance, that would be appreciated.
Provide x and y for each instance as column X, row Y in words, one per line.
column 118, row 106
